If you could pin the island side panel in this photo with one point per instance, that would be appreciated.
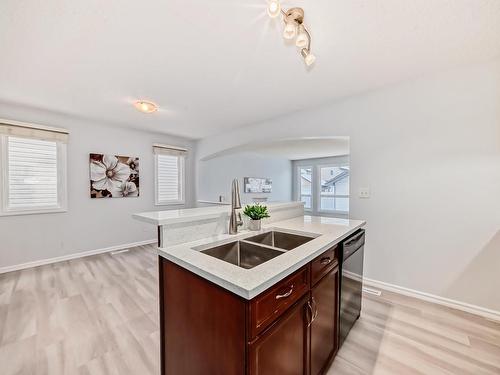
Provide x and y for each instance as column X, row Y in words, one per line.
column 203, row 325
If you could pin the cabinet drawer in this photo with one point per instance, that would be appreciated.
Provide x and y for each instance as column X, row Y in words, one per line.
column 268, row 306
column 323, row 264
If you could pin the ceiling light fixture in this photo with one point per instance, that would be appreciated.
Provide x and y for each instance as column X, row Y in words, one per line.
column 309, row 58
column 294, row 28
column 302, row 38
column 145, row 106
column 274, row 8
column 290, row 31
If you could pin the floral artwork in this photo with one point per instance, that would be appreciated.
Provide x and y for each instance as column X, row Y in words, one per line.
column 114, row 176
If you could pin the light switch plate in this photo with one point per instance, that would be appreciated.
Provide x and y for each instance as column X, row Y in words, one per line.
column 364, row 192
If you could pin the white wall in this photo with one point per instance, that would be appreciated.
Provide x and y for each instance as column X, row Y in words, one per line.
column 215, row 176
column 89, row 224
column 430, row 152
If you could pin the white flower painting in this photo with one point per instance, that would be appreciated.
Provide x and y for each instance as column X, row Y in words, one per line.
column 114, row 176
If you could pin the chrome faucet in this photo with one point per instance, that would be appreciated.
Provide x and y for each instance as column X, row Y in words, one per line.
column 235, row 218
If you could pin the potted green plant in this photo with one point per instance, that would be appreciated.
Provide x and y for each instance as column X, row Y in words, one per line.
column 256, row 213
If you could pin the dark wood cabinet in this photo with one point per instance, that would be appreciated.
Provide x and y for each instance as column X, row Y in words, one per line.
column 202, row 326
column 282, row 348
column 324, row 328
column 289, row 329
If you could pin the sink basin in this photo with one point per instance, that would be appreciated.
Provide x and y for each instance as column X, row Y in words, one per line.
column 242, row 254
column 252, row 251
column 282, row 240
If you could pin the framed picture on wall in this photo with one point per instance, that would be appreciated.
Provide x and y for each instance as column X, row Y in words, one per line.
column 113, row 176
column 257, row 185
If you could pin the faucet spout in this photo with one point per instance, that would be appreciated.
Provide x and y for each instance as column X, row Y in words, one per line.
column 235, row 218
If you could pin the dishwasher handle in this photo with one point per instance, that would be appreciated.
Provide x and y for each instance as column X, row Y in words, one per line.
column 354, row 243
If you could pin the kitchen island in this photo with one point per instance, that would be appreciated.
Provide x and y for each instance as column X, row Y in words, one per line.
column 253, row 303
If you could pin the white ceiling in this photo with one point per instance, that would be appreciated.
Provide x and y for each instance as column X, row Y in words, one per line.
column 293, row 149
column 214, row 65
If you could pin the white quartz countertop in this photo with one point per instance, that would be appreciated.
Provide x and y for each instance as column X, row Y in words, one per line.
column 190, row 214
column 248, row 283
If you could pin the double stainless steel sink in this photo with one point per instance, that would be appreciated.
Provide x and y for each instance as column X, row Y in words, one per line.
column 281, row 240
column 252, row 251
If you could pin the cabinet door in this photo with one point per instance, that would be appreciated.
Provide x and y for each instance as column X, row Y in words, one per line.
column 282, row 348
column 202, row 325
column 324, row 328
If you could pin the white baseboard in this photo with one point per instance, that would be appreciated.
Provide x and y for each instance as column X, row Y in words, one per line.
column 42, row 262
column 462, row 306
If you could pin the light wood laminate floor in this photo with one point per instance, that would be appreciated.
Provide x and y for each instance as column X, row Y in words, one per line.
column 99, row 315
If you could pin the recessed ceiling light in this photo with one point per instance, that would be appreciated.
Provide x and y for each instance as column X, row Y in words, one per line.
column 145, row 106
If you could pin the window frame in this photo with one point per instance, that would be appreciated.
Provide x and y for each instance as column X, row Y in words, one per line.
column 299, row 190
column 320, row 193
column 181, row 166
column 62, row 182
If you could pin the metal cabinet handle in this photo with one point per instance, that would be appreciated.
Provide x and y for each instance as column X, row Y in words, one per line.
column 285, row 295
column 326, row 260
column 310, row 309
column 315, row 315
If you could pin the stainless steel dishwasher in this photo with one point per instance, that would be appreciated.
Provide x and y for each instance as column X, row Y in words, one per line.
column 351, row 283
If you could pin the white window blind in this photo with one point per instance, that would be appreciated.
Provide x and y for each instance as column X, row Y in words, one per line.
column 32, row 173
column 32, row 168
column 169, row 175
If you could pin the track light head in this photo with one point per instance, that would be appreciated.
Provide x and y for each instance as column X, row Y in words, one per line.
column 302, row 38
column 309, row 58
column 290, row 30
column 273, row 8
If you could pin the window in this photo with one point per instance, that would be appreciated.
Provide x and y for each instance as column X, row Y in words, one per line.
column 33, row 169
column 323, row 185
column 305, row 186
column 169, row 176
column 334, row 194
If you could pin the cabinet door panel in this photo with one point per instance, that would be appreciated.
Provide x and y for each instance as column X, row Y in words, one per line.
column 203, row 325
column 282, row 349
column 324, row 329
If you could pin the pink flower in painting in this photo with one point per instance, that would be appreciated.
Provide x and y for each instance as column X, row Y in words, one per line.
column 109, row 173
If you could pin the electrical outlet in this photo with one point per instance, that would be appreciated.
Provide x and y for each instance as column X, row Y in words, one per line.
column 364, row 192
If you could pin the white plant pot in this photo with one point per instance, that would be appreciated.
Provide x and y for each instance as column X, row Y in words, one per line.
column 254, row 224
